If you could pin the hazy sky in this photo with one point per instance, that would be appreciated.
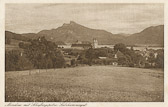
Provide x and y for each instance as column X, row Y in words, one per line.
column 115, row 18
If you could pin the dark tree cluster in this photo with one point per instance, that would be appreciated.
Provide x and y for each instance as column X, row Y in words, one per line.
column 130, row 58
column 15, row 61
column 39, row 53
column 92, row 56
column 44, row 54
column 160, row 60
column 157, row 62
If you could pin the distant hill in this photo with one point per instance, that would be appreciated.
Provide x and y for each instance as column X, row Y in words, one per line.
column 124, row 34
column 71, row 32
column 12, row 40
column 30, row 35
column 15, row 36
column 34, row 36
column 151, row 35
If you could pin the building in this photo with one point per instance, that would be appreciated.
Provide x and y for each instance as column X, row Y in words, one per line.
column 80, row 45
column 85, row 44
column 95, row 43
column 118, row 54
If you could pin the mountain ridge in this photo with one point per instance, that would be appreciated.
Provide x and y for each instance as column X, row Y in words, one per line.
column 73, row 31
column 70, row 32
column 150, row 35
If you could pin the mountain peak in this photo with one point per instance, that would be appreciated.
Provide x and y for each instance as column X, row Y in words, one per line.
column 72, row 31
column 72, row 22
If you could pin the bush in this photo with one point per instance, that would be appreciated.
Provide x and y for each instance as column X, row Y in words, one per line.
column 73, row 62
column 123, row 61
column 59, row 62
column 84, row 61
column 160, row 60
column 14, row 61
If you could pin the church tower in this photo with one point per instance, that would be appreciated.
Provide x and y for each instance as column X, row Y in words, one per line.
column 95, row 43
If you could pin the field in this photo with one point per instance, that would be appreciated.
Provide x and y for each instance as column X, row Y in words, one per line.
column 89, row 83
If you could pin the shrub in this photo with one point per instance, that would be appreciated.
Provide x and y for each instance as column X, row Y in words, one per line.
column 14, row 61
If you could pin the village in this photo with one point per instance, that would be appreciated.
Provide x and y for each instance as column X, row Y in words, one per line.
column 107, row 56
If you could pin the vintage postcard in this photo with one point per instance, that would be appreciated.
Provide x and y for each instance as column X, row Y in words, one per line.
column 83, row 53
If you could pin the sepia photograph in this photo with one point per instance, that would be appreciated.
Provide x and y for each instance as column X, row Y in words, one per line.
column 84, row 52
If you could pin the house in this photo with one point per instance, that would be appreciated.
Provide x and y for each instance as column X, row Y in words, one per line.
column 118, row 54
column 69, row 59
column 113, row 60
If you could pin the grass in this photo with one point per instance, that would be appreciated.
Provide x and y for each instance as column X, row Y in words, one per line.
column 89, row 83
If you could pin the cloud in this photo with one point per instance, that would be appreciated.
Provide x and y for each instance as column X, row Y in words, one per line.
column 115, row 18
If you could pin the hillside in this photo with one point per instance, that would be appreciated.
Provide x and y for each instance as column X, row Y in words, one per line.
column 12, row 40
column 71, row 32
column 151, row 35
column 15, row 36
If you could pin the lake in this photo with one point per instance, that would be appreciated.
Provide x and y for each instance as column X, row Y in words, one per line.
column 141, row 48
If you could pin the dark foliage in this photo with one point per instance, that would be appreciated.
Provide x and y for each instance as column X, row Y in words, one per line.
column 160, row 60
column 39, row 53
column 14, row 61
column 44, row 54
column 131, row 58
column 90, row 55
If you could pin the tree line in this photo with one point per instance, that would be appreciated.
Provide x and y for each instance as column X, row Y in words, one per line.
column 43, row 54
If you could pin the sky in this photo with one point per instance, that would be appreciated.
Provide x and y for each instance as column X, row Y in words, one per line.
column 114, row 18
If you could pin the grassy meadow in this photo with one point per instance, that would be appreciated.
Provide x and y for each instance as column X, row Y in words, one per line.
column 85, row 84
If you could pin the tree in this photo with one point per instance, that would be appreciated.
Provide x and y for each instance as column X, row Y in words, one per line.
column 160, row 60
column 24, row 63
column 44, row 54
column 123, row 61
column 11, row 60
column 14, row 61
column 120, row 46
column 21, row 45
column 73, row 62
column 132, row 58
column 151, row 58
column 90, row 55
column 100, row 53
